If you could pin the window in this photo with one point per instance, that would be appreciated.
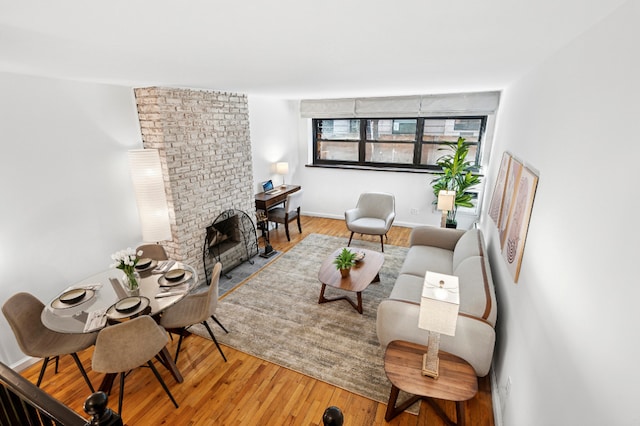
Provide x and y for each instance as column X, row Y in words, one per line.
column 412, row 143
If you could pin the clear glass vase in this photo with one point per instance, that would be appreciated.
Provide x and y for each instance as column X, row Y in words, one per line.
column 132, row 283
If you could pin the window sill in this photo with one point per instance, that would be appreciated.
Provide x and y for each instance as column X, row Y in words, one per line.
column 372, row 168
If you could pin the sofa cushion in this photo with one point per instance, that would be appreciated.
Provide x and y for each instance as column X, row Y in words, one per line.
column 407, row 288
column 468, row 245
column 421, row 259
column 475, row 299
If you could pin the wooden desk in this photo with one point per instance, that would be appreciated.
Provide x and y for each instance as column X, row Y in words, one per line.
column 267, row 202
column 403, row 366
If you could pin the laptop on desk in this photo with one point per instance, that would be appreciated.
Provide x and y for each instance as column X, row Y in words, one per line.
column 268, row 188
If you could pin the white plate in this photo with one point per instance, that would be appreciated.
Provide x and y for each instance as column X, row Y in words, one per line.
column 59, row 304
column 162, row 281
column 112, row 313
column 129, row 304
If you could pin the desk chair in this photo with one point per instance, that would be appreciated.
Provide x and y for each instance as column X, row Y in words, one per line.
column 23, row 311
column 289, row 213
column 195, row 309
column 373, row 215
column 123, row 347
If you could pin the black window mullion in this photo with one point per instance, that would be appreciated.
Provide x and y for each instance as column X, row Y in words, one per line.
column 362, row 145
column 417, row 149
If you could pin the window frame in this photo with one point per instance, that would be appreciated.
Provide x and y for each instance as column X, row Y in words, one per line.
column 417, row 144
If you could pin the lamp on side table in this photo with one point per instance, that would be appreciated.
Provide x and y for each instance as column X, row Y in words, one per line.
column 439, row 307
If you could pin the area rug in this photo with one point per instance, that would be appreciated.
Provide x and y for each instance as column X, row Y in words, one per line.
column 275, row 316
column 243, row 271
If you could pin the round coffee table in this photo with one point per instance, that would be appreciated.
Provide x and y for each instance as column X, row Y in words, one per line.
column 403, row 366
column 361, row 275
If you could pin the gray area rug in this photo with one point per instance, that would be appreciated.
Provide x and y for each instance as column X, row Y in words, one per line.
column 275, row 316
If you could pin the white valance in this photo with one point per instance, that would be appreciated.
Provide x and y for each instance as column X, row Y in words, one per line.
column 456, row 104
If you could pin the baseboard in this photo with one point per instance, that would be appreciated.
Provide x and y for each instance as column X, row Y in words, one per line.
column 341, row 217
column 496, row 403
column 24, row 363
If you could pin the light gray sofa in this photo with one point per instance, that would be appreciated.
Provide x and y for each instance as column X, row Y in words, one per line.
column 452, row 252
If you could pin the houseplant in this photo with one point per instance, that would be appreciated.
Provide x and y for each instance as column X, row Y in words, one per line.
column 457, row 175
column 345, row 260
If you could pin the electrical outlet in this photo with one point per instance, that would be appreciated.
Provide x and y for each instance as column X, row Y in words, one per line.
column 414, row 211
column 507, row 387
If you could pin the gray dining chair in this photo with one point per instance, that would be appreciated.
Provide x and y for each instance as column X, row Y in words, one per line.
column 23, row 311
column 373, row 215
column 289, row 213
column 123, row 347
column 153, row 251
column 195, row 309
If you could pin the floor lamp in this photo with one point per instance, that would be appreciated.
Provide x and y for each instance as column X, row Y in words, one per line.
column 439, row 306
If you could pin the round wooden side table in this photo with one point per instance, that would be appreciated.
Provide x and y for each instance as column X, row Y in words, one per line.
column 403, row 366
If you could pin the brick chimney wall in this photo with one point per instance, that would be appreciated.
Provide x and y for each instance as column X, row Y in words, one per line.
column 205, row 150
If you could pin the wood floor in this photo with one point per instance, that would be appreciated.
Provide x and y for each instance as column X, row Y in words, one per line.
column 246, row 390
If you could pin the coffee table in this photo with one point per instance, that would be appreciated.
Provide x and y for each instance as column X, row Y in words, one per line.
column 403, row 366
column 361, row 275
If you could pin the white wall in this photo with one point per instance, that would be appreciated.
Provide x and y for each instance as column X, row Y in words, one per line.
column 567, row 330
column 67, row 198
column 278, row 134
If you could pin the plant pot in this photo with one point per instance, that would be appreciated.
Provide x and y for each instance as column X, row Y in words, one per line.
column 451, row 225
column 345, row 272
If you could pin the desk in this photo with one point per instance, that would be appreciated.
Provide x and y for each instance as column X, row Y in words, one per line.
column 403, row 366
column 266, row 202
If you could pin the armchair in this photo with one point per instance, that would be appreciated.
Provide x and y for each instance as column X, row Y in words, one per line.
column 373, row 215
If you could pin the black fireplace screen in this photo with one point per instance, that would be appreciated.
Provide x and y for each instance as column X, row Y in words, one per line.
column 231, row 239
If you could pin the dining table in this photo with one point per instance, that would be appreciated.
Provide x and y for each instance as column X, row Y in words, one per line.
column 97, row 298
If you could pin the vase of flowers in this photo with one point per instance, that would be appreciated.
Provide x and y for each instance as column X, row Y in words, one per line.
column 127, row 260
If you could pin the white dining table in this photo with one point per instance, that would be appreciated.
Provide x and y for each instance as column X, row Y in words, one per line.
column 72, row 319
column 107, row 290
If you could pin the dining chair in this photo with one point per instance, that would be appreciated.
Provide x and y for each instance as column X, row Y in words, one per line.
column 23, row 312
column 153, row 251
column 195, row 309
column 289, row 213
column 373, row 215
column 131, row 344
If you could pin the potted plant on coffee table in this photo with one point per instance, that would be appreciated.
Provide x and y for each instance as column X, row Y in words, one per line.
column 457, row 175
column 344, row 261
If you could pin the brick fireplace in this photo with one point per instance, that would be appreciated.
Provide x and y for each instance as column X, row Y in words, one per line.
column 205, row 151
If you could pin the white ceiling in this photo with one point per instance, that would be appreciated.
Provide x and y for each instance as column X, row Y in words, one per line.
column 292, row 48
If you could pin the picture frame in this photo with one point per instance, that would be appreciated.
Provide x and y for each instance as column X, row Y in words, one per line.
column 511, row 182
column 497, row 198
column 518, row 220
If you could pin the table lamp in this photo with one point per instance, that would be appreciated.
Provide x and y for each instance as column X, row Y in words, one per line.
column 282, row 169
column 439, row 306
column 446, row 200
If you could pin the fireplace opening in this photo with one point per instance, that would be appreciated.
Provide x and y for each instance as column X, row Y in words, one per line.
column 231, row 239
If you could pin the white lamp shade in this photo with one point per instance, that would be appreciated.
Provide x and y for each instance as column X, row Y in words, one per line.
column 446, row 200
column 282, row 168
column 439, row 305
column 148, row 185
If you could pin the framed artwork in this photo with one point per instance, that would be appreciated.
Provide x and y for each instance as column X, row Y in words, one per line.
column 512, row 179
column 518, row 220
column 497, row 197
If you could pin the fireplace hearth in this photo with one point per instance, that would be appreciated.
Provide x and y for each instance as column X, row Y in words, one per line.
column 231, row 239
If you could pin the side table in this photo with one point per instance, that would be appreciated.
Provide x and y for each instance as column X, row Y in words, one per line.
column 403, row 366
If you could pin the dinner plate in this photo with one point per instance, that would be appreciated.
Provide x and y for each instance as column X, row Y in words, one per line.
column 72, row 297
column 58, row 302
column 133, row 307
column 174, row 275
column 129, row 304
column 162, row 281
column 143, row 263
column 142, row 267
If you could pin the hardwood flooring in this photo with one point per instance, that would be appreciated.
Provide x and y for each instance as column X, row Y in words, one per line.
column 246, row 390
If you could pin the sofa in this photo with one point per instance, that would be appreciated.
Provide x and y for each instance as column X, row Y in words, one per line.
column 452, row 252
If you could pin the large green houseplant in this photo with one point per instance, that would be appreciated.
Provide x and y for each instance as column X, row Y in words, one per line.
column 457, row 175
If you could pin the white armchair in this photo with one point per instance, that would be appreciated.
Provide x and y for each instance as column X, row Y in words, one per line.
column 373, row 215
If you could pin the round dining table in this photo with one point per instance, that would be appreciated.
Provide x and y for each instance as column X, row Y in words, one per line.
column 105, row 289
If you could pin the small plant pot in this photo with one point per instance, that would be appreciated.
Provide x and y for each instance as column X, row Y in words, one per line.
column 451, row 225
column 344, row 272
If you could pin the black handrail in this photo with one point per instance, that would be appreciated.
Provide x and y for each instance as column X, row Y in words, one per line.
column 23, row 403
